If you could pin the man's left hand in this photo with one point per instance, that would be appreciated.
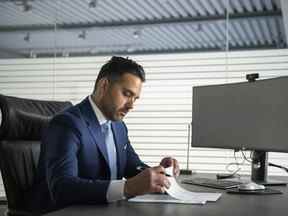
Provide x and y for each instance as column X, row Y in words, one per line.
column 169, row 161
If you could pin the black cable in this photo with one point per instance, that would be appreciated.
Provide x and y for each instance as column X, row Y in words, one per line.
column 278, row 166
column 231, row 174
column 245, row 157
column 269, row 164
column 272, row 164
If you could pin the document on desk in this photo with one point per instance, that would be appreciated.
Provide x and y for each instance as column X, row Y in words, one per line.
column 163, row 198
column 180, row 193
column 177, row 194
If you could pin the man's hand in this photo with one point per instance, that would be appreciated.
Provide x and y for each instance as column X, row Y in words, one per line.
column 150, row 180
column 169, row 161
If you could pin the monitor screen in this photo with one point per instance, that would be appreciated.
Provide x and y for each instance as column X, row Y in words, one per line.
column 247, row 115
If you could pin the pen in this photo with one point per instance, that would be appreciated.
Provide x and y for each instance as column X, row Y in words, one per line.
column 142, row 168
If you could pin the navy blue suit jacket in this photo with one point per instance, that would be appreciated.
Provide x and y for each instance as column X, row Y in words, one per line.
column 73, row 166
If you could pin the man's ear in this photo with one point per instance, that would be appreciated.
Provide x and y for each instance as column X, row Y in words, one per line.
column 103, row 86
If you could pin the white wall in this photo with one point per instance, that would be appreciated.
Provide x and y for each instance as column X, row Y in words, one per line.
column 158, row 125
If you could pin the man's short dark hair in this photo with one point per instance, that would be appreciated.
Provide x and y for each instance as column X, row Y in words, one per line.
column 117, row 66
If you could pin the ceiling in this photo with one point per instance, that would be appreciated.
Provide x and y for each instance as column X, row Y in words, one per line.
column 40, row 28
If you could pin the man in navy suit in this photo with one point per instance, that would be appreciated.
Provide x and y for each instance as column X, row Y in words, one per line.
column 75, row 162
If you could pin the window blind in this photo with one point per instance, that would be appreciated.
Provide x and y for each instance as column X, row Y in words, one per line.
column 158, row 125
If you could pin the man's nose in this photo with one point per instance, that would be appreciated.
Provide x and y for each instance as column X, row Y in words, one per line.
column 130, row 103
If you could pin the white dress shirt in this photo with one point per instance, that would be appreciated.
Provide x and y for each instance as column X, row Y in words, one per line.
column 116, row 188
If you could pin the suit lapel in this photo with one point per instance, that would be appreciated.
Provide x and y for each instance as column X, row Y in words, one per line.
column 94, row 127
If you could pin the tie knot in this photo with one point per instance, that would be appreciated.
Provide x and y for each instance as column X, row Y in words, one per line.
column 106, row 126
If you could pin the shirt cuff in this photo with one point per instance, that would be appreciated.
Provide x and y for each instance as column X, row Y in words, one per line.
column 115, row 190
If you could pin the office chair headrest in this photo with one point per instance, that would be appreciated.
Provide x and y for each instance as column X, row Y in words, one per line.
column 25, row 119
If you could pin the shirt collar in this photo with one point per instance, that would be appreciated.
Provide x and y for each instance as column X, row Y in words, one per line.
column 101, row 118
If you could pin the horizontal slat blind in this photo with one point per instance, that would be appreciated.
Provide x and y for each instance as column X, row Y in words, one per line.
column 159, row 124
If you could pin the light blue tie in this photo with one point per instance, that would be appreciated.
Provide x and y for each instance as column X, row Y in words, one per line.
column 111, row 150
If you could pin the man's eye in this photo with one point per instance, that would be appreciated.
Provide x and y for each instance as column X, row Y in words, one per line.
column 127, row 94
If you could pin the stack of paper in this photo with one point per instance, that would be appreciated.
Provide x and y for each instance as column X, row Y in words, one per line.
column 177, row 194
column 162, row 198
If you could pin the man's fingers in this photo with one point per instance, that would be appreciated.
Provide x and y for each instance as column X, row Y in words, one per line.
column 148, row 181
column 159, row 169
column 167, row 162
column 158, row 189
column 167, row 183
column 163, row 181
column 171, row 162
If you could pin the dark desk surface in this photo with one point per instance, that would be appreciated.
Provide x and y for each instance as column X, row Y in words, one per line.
column 227, row 205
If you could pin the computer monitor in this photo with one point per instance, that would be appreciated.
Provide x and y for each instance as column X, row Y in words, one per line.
column 243, row 116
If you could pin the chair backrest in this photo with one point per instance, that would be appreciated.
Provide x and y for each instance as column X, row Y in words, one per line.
column 21, row 128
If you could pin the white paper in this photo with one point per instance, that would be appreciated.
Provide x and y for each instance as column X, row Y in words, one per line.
column 162, row 198
column 180, row 193
column 177, row 194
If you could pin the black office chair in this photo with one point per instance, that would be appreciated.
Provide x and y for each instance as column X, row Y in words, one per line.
column 23, row 122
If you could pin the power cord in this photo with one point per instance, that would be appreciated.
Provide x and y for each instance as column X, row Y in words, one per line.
column 232, row 173
column 245, row 157
column 278, row 166
column 269, row 164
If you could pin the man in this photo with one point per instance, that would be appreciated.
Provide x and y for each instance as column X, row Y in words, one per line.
column 86, row 152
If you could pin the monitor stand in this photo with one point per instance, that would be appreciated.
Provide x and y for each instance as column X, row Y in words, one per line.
column 259, row 169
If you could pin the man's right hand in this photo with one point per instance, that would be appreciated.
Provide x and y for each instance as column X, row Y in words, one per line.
column 150, row 180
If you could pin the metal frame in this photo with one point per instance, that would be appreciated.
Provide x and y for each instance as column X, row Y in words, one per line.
column 189, row 19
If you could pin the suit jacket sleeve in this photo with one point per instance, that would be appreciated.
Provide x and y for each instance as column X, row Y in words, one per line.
column 62, row 143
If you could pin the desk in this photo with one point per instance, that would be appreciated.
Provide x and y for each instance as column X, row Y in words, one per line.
column 227, row 205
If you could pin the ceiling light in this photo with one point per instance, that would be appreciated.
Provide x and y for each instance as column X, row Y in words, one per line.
column 82, row 35
column 92, row 4
column 25, row 4
column 27, row 37
column 137, row 34
column 27, row 7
